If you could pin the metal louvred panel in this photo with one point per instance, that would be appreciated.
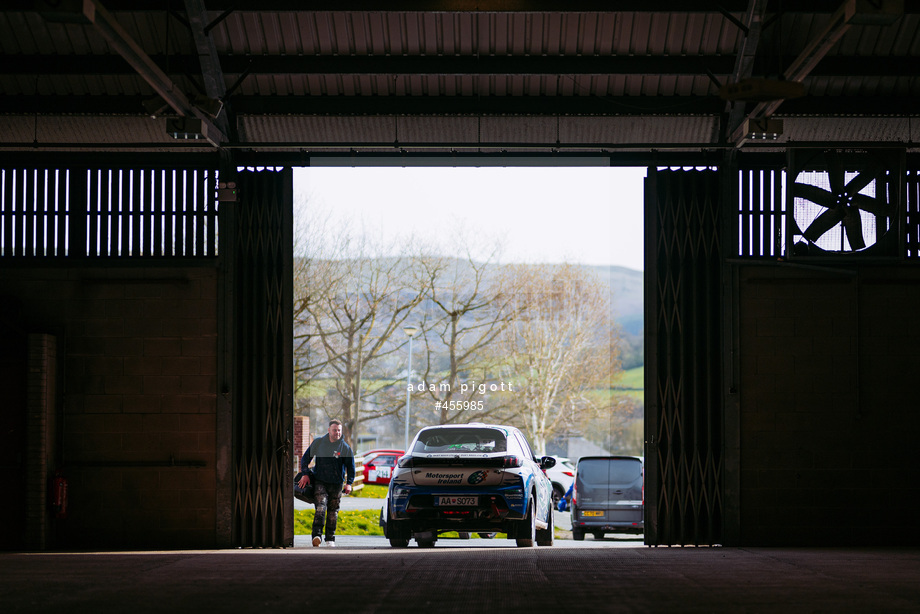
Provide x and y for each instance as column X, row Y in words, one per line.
column 108, row 213
column 684, row 425
column 262, row 385
column 912, row 221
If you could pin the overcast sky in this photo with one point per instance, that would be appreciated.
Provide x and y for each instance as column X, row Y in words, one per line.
column 586, row 215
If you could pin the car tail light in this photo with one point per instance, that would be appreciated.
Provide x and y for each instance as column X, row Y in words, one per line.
column 405, row 461
column 574, row 494
column 571, row 474
column 512, row 461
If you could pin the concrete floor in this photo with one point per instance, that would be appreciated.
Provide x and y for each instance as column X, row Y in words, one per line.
column 365, row 575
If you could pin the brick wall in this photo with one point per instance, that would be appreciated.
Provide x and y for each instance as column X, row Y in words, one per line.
column 139, row 358
column 828, row 406
column 302, row 438
column 41, row 438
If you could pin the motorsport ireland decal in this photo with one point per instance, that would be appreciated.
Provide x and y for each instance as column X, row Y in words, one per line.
column 457, row 477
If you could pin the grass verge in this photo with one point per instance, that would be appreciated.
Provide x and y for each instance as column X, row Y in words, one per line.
column 360, row 522
column 371, row 491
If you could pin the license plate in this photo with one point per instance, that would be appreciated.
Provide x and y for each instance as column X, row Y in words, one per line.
column 458, row 501
column 586, row 513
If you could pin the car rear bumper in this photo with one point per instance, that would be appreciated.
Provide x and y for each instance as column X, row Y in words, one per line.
column 618, row 520
column 494, row 506
column 609, row 527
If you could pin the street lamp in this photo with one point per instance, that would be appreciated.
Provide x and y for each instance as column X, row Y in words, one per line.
column 410, row 331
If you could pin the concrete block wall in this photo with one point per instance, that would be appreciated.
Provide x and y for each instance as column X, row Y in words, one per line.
column 139, row 359
column 829, row 363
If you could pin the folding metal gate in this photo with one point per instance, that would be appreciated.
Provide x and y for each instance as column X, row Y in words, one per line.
column 683, row 387
column 261, row 370
column 151, row 210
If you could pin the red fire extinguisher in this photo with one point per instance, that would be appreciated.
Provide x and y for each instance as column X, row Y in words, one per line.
column 59, row 495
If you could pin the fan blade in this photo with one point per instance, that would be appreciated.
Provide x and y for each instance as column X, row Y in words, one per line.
column 864, row 178
column 874, row 206
column 813, row 193
column 852, row 223
column 822, row 224
column 835, row 173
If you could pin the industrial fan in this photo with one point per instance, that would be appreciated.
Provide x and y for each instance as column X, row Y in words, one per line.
column 844, row 202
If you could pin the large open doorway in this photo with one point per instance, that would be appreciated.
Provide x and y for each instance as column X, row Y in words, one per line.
column 467, row 259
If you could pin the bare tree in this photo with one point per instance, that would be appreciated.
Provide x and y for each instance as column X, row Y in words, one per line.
column 348, row 303
column 468, row 311
column 562, row 352
column 527, row 344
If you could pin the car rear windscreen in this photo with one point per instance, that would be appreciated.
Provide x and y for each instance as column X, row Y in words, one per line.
column 461, row 440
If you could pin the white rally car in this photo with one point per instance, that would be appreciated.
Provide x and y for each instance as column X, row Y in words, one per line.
column 481, row 478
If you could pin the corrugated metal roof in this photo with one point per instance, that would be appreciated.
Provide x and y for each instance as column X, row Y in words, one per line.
column 304, row 75
column 446, row 34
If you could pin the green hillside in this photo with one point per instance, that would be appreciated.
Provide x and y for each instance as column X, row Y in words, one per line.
column 632, row 384
column 633, row 379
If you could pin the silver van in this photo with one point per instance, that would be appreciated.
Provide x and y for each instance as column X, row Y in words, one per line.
column 609, row 496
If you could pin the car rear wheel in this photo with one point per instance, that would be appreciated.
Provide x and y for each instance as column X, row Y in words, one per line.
column 578, row 535
column 546, row 536
column 528, row 529
column 398, row 532
column 425, row 543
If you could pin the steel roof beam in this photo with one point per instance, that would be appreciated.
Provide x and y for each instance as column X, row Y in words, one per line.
column 744, row 61
column 902, row 105
column 120, row 41
column 215, row 68
column 814, row 52
column 430, row 6
column 468, row 6
column 208, row 60
column 464, row 6
column 231, row 65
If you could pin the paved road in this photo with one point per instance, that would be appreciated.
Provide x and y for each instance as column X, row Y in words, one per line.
column 376, row 542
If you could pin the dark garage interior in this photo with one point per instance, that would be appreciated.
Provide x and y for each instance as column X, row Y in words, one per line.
column 146, row 150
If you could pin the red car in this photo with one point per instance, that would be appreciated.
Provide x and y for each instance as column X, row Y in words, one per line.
column 379, row 464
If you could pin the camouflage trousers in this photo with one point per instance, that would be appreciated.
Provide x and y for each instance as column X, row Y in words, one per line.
column 327, row 497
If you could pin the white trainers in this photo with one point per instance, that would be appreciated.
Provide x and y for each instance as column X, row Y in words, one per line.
column 330, row 544
column 317, row 540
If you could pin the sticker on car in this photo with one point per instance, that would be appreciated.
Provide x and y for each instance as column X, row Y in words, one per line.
column 457, row 477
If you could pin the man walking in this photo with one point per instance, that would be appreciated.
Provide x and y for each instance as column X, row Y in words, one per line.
column 334, row 473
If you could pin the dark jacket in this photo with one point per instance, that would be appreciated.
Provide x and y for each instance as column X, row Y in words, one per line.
column 334, row 461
